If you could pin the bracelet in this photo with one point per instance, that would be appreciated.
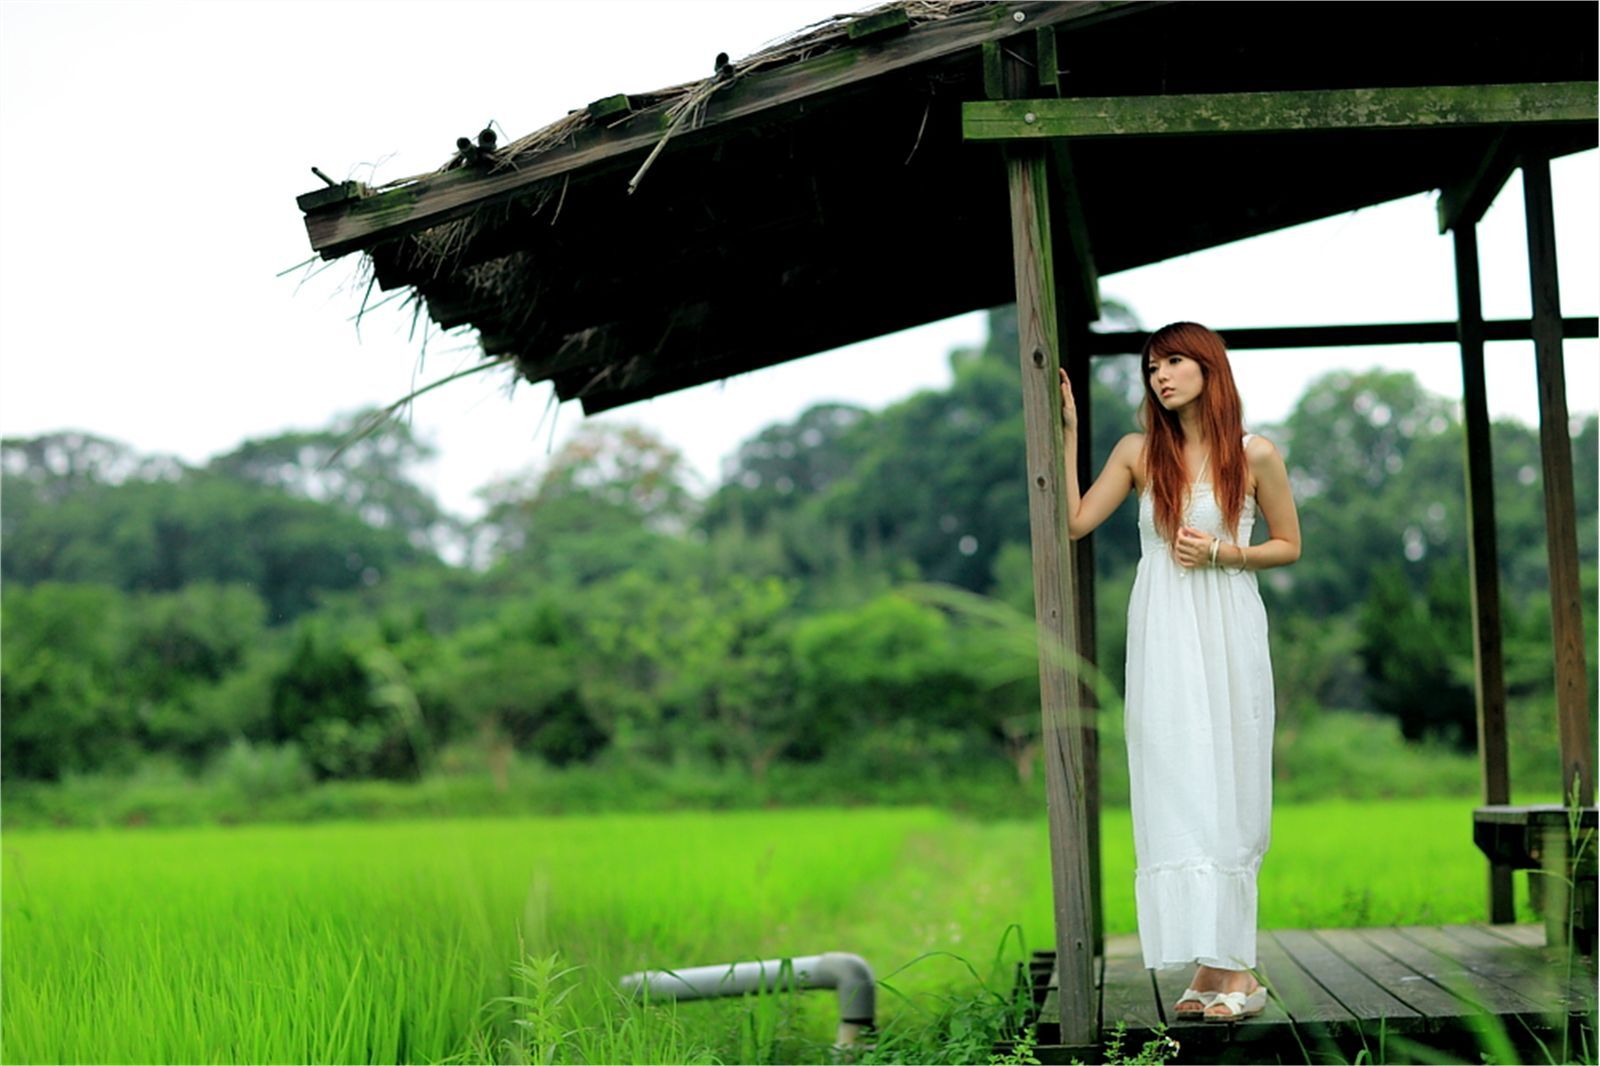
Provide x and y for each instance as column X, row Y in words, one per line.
column 1243, row 561
column 1216, row 543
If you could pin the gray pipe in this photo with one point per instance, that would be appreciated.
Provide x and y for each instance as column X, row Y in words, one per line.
column 848, row 973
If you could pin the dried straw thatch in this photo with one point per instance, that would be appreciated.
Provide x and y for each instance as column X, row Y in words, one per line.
column 834, row 196
column 436, row 248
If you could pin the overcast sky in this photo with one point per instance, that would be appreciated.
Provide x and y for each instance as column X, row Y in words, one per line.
column 150, row 155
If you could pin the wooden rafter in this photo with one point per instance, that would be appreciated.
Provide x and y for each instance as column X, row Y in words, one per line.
column 1465, row 202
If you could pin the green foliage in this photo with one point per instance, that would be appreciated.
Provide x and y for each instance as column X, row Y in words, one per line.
column 106, row 518
column 290, row 593
column 323, row 700
column 1410, row 645
column 64, row 710
column 366, row 474
column 256, row 773
column 1159, row 1049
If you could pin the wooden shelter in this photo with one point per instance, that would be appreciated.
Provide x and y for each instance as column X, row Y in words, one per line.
column 924, row 159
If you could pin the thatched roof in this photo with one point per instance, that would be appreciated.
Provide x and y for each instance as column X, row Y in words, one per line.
column 819, row 192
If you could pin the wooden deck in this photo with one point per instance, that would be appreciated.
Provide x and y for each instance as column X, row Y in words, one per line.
column 1405, row 994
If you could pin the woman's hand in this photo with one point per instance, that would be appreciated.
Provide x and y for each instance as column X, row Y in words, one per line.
column 1193, row 548
column 1069, row 408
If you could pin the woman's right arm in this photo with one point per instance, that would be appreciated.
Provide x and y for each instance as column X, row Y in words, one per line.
column 1086, row 510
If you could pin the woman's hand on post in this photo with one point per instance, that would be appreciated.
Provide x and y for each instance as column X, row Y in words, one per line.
column 1193, row 548
column 1069, row 407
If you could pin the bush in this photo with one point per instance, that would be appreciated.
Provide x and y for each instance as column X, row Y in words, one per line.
column 258, row 772
column 1363, row 756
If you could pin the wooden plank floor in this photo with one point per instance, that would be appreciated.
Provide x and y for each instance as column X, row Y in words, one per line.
column 1403, row 994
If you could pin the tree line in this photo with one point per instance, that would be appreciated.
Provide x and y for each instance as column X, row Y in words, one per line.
column 855, row 592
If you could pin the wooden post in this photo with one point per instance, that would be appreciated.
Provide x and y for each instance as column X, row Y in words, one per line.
column 1076, row 352
column 1077, row 292
column 1555, row 447
column 1483, row 556
column 1028, row 178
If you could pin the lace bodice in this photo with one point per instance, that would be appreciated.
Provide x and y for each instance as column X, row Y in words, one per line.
column 1202, row 513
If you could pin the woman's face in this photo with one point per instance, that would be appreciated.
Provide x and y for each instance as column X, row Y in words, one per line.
column 1176, row 380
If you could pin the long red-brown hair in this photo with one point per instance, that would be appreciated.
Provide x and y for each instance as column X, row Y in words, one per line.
column 1221, row 415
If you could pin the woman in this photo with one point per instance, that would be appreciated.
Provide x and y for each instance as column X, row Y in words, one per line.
column 1199, row 705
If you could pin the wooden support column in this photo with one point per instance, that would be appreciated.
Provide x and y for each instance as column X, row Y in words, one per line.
column 1032, row 247
column 1555, row 447
column 1077, row 292
column 1483, row 556
column 1076, row 356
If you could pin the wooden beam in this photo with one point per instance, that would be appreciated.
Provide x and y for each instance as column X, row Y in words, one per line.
column 1067, row 203
column 1060, row 704
column 1483, row 557
column 1411, row 107
column 433, row 199
column 882, row 24
column 1131, row 342
column 1561, row 530
column 1066, row 197
column 1465, row 202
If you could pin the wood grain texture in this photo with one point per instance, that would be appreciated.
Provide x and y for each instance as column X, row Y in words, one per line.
column 1435, row 956
column 1408, row 107
column 1535, row 971
column 1555, row 447
column 1052, row 584
column 1127, row 994
column 1358, row 993
column 1483, row 557
column 1406, row 984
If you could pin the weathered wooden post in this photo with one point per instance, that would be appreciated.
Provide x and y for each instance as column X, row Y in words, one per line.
column 1460, row 209
column 1027, row 176
column 1077, row 292
column 1555, row 448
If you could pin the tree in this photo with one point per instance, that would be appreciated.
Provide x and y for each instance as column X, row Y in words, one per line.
column 65, row 709
column 323, row 700
column 364, row 473
column 1413, row 649
column 98, row 514
column 513, row 681
column 614, row 499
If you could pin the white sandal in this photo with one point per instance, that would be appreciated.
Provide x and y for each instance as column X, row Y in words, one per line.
column 1205, row 999
column 1239, row 1005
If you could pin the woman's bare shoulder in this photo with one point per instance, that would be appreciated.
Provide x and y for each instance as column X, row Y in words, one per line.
column 1260, row 450
column 1128, row 449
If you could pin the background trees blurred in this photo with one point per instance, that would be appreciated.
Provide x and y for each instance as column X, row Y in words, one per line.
column 291, row 600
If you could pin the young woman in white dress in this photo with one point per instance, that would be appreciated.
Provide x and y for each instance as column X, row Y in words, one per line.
column 1199, row 700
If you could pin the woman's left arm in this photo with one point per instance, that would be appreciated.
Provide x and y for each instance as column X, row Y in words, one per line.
column 1277, row 507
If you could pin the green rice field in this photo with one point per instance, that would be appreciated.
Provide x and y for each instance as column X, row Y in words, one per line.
column 400, row 942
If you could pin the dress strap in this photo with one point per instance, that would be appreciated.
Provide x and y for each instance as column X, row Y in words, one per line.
column 1248, row 437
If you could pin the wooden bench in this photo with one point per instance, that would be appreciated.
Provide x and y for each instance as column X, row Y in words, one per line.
column 1544, row 838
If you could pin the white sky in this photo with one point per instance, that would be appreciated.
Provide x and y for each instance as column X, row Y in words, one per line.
column 150, row 154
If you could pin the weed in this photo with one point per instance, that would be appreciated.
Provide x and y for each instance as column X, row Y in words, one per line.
column 1159, row 1049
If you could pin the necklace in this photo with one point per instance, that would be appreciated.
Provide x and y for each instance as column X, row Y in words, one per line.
column 1188, row 500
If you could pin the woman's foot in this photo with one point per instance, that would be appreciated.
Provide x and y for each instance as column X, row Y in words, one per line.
column 1209, row 982
column 1238, row 994
column 1202, row 990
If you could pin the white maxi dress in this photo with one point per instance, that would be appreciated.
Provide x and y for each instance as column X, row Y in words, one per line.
column 1199, row 716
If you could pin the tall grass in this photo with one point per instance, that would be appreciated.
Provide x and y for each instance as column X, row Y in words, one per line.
column 501, row 940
